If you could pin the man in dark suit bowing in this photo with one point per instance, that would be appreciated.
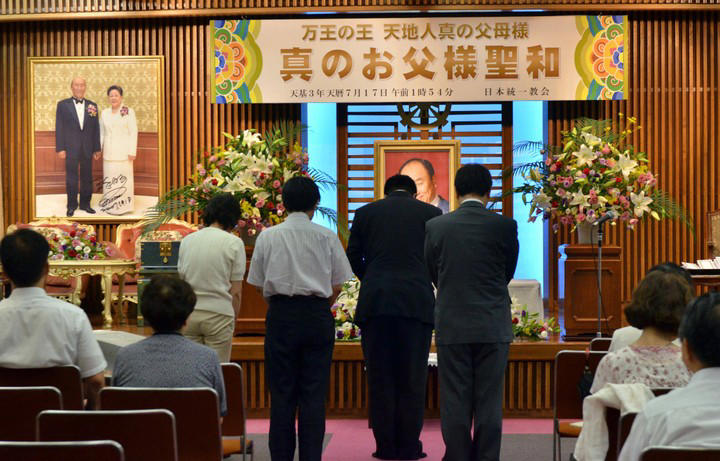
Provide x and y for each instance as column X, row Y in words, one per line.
column 77, row 141
column 395, row 313
column 471, row 255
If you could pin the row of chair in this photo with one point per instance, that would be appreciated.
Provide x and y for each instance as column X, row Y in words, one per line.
column 193, row 411
column 568, row 408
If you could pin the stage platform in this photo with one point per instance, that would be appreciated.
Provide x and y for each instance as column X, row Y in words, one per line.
column 528, row 378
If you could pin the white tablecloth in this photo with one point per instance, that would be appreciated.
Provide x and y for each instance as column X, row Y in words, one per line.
column 527, row 292
column 112, row 341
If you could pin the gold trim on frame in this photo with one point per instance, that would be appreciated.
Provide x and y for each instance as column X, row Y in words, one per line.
column 30, row 120
column 451, row 146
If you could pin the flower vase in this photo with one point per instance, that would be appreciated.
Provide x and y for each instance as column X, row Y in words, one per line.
column 587, row 233
column 248, row 240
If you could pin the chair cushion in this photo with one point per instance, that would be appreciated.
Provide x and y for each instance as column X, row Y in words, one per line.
column 569, row 429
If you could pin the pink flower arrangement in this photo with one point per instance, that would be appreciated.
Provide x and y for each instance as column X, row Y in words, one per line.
column 600, row 173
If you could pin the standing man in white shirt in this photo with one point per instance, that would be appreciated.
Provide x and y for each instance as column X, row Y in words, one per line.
column 38, row 331
column 299, row 267
column 689, row 416
column 212, row 260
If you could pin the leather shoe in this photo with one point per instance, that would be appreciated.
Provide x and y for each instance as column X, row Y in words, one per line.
column 70, row 212
column 420, row 455
column 87, row 209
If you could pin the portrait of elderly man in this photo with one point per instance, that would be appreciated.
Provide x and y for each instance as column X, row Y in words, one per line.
column 422, row 172
column 77, row 141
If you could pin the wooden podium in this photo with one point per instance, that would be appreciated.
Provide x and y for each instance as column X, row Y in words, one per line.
column 254, row 308
column 581, row 309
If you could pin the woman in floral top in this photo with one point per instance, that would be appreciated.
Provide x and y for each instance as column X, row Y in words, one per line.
column 656, row 308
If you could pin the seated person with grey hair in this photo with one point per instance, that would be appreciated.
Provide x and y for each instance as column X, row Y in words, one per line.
column 167, row 358
column 686, row 417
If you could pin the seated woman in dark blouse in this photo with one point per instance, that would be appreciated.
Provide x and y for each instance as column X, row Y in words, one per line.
column 167, row 358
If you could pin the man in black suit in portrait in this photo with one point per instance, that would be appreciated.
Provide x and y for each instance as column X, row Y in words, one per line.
column 395, row 313
column 77, row 141
column 471, row 255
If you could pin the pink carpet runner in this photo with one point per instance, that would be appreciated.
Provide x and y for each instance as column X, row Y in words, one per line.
column 353, row 441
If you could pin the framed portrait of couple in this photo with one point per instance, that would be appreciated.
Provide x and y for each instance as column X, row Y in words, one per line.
column 97, row 139
column 430, row 163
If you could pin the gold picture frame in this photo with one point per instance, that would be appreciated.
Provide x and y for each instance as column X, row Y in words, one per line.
column 392, row 156
column 143, row 81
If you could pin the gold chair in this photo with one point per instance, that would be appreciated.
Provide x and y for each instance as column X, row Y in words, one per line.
column 68, row 290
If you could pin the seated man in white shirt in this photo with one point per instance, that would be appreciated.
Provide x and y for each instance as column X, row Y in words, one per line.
column 690, row 416
column 39, row 331
column 299, row 267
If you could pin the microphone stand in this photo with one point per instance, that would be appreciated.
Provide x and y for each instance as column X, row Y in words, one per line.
column 601, row 229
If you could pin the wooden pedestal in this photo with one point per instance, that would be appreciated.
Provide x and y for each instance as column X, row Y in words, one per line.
column 581, row 307
column 254, row 308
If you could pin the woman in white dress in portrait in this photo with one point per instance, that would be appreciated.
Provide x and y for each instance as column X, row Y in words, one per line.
column 118, row 136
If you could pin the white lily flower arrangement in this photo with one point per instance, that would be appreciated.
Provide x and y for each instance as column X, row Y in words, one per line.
column 594, row 172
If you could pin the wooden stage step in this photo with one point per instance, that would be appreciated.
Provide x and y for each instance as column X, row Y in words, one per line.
column 528, row 378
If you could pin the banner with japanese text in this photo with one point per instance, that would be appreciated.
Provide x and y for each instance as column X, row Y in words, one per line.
column 419, row 59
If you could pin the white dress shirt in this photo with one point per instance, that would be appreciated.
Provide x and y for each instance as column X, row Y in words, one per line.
column 298, row 258
column 38, row 331
column 686, row 417
column 209, row 260
column 80, row 110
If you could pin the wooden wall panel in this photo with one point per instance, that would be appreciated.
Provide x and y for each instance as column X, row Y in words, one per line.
column 673, row 90
column 192, row 123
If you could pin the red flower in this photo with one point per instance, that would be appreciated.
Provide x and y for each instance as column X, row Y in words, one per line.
column 72, row 253
column 586, row 171
column 93, row 239
column 618, row 179
column 558, row 164
column 269, row 205
column 72, row 233
column 206, row 154
column 515, row 321
column 554, row 204
column 214, row 182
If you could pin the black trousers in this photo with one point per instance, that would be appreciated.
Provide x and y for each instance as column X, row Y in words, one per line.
column 83, row 162
column 300, row 336
column 396, row 353
column 471, row 387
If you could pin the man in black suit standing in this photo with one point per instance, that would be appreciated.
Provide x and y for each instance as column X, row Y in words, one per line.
column 471, row 255
column 395, row 313
column 77, row 141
